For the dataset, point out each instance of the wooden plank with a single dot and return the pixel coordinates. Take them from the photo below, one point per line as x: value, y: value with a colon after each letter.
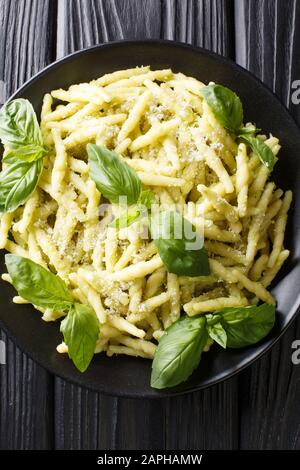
x: 267, y: 38
x: 205, y: 23
x: 25, y: 388
x: 87, y: 420
x: 204, y: 420
x: 83, y: 419
x: 85, y: 23
x: 26, y: 402
x: 269, y: 399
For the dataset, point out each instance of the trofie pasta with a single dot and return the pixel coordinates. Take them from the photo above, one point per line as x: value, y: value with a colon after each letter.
x: 176, y: 147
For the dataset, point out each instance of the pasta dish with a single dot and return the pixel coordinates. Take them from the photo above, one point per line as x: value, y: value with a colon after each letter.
x: 92, y: 200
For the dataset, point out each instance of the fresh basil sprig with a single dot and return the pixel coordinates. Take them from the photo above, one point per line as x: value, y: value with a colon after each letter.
x: 264, y: 152
x: 21, y: 136
x: 145, y: 200
x: 179, y: 349
x: 20, y: 131
x: 217, y: 333
x: 38, y: 285
x: 178, y: 352
x: 17, y: 182
x: 113, y: 177
x: 228, y: 110
x: 27, y: 153
x: 19, y: 125
x: 226, y: 106
x: 45, y: 289
x: 169, y: 229
x: 246, y: 325
x: 81, y: 331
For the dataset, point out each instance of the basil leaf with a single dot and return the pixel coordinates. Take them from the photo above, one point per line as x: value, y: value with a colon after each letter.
x: 264, y: 152
x: 113, y: 177
x: 169, y: 230
x: 212, y: 319
x: 81, y: 331
x: 247, y: 325
x: 27, y: 153
x: 126, y: 219
x: 178, y: 352
x: 17, y: 182
x: 20, y: 132
x: 19, y: 125
x: 146, y: 199
x: 9, y: 158
x: 144, y: 202
x: 38, y: 285
x: 218, y: 334
x: 225, y: 105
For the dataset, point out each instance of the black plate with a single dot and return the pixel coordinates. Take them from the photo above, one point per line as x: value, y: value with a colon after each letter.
x: 127, y: 376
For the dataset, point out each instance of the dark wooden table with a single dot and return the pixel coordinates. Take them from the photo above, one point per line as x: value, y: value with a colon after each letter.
x: 258, y: 409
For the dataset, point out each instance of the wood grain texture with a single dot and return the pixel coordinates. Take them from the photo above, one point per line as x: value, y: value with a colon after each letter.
x: 26, y: 35
x: 27, y: 39
x: 206, y: 23
x: 204, y: 420
x: 260, y: 408
x: 269, y: 399
x: 26, y: 402
x: 88, y: 420
x: 267, y: 41
x: 201, y: 420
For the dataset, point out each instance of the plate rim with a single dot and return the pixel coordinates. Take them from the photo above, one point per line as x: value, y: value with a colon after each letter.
x: 294, y: 311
